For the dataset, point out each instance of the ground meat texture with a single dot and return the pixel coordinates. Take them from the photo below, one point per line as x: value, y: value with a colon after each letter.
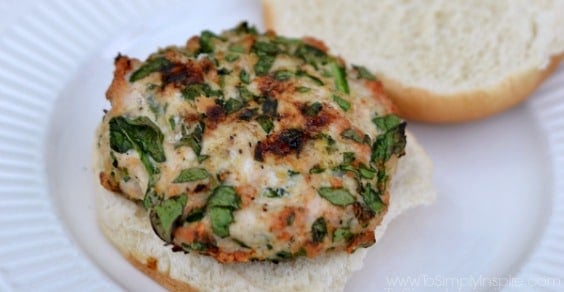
x: 246, y: 146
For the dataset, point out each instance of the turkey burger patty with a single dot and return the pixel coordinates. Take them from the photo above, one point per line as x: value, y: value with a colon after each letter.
x: 247, y: 146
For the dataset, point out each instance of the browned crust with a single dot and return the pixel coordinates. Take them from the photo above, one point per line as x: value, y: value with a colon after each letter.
x: 421, y: 105
x: 150, y: 269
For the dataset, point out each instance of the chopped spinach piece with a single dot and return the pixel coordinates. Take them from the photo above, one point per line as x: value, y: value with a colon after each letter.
x: 244, y: 93
x: 318, y: 230
x: 139, y: 134
x: 336, y: 196
x: 196, y: 245
x: 151, y: 66
x: 191, y: 174
x: 224, y: 196
x: 387, y: 122
x: 274, y: 192
x: 232, y: 105
x: 192, y: 91
x: 340, y: 76
x: 364, y: 73
x: 245, y: 77
x: 310, y: 54
x: 231, y: 58
x: 265, y: 122
x: 343, y: 103
x: 203, y: 157
x: 206, y: 41
x: 316, y: 169
x: 263, y: 65
x: 313, y: 109
x: 151, y: 198
x: 391, y: 142
x: 315, y: 80
x: 221, y: 204
x: 351, y: 134
x: 193, y: 140
x: 342, y: 234
x: 165, y: 215
x: 263, y: 48
x: 303, y: 89
x: 372, y: 199
x: 348, y: 158
x: 172, y: 122
x: 220, y: 219
x: 283, y: 75
x: 293, y: 173
x: 195, y: 215
x: 366, y: 172
x: 284, y: 255
x: 236, y: 48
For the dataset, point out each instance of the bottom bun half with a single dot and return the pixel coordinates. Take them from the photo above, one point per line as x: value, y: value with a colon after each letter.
x: 127, y: 226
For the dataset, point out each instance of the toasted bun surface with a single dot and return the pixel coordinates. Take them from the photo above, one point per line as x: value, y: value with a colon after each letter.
x: 127, y: 226
x: 440, y: 61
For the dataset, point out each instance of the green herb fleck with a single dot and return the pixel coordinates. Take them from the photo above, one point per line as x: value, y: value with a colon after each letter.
x: 318, y: 230
x: 195, y: 214
x: 274, y: 192
x: 315, y: 80
x: 348, y: 158
x: 265, y: 122
x: 164, y: 216
x: 232, y: 105
x: 202, y: 157
x: 151, y: 66
x: 224, y: 196
x: 244, y: 93
x: 313, y: 109
x: 372, y: 199
x: 293, y: 172
x: 364, y: 73
x: 139, y: 134
x: 221, y: 204
x: 366, y: 172
x: 192, y: 91
x: 391, y: 142
x: 336, y: 196
x: 231, y: 58
x: 245, y: 77
x: 343, y: 103
x: 262, y: 48
x: 263, y: 65
x: 283, y: 75
x: 193, y: 140
x: 303, y: 89
x: 387, y: 122
x: 316, y: 169
x: 206, y: 41
x: 220, y: 219
x: 340, y: 76
x: 351, y: 134
x: 342, y: 234
x: 191, y: 174
x: 236, y: 48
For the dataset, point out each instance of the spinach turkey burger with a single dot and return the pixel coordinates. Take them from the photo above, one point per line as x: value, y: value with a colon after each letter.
x: 246, y: 146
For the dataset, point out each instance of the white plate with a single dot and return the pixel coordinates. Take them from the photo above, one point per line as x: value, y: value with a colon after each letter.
x: 498, y: 221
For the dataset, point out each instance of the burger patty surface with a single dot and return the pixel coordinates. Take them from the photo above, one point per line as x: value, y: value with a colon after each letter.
x: 247, y: 146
